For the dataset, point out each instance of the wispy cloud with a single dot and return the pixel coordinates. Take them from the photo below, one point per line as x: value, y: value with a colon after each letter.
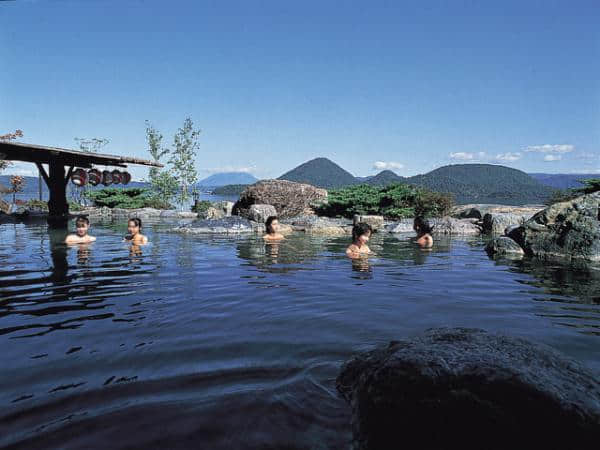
x: 224, y: 169
x: 555, y: 149
x: 508, y: 157
x: 550, y: 158
x: 462, y: 156
x: 387, y: 165
x: 20, y: 168
x: 588, y: 156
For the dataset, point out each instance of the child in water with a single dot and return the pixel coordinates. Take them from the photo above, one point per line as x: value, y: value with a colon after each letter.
x: 361, y: 232
x: 423, y: 230
x: 134, y: 227
x: 81, y: 236
x: 272, y: 228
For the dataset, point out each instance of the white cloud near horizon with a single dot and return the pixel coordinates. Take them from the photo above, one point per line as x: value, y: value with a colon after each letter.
x: 550, y: 158
x: 550, y: 148
x: 463, y: 156
x: 21, y: 168
x: 508, y: 157
x: 387, y: 165
x: 226, y: 169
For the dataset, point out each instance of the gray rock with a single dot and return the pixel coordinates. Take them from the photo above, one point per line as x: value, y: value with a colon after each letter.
x: 470, y: 213
x: 376, y: 222
x: 260, y: 213
x: 468, y: 389
x: 496, y: 223
x: 402, y: 226
x: 567, y: 230
x: 289, y: 199
x: 323, y: 226
x: 225, y: 206
x: 504, y: 246
x: 449, y: 225
x: 225, y: 225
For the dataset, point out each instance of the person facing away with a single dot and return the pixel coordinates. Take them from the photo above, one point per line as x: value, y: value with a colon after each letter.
x: 272, y: 228
x: 135, y: 236
x: 361, y: 232
x: 81, y: 236
x: 423, y: 230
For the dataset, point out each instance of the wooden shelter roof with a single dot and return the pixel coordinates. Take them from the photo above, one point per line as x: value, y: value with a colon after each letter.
x: 17, y: 151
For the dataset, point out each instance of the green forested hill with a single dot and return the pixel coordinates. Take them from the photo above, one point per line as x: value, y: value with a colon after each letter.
x: 320, y: 172
x: 484, y: 183
x: 384, y: 178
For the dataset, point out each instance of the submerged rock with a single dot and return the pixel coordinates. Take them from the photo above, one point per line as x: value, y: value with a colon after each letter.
x: 504, y: 246
x: 567, y: 230
x: 225, y: 225
x: 466, y: 388
x: 289, y: 199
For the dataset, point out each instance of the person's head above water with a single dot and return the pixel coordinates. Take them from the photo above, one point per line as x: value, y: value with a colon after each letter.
x: 361, y: 232
x: 134, y: 225
x: 82, y: 224
x: 272, y: 224
x: 422, y: 226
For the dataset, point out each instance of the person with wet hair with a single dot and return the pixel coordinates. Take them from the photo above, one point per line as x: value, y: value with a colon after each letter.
x: 135, y: 236
x: 272, y: 229
x: 361, y: 232
x: 81, y: 236
x: 423, y: 230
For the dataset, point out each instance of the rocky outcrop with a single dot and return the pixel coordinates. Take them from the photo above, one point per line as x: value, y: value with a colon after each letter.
x: 375, y: 222
x: 497, y: 223
x: 504, y: 246
x: 469, y: 389
x: 441, y: 225
x: 225, y: 206
x: 142, y: 213
x: 226, y: 225
x: 289, y: 199
x: 480, y: 210
x: 567, y: 230
x: 322, y: 226
x: 260, y: 213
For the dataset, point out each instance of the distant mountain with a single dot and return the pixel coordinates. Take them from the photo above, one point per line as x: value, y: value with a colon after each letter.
x: 561, y: 180
x: 320, y: 172
x: 222, y: 179
x: 484, y: 183
x: 384, y: 178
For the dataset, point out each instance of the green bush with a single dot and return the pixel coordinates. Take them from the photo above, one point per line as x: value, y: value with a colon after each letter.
x: 201, y: 206
x: 129, y: 198
x: 394, y: 201
x: 562, y: 195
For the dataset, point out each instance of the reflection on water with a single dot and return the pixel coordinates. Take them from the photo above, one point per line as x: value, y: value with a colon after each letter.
x: 235, y: 342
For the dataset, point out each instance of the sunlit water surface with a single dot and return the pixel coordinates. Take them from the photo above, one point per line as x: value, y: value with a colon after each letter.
x: 228, y: 342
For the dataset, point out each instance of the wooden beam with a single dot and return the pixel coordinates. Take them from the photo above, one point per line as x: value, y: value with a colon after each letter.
x: 69, y: 173
x: 44, y: 174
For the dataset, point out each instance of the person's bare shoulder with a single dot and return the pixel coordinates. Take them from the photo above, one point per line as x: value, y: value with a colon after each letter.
x: 91, y: 238
x: 71, y: 239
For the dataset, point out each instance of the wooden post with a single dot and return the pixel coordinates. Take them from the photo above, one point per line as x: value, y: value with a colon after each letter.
x: 57, y: 203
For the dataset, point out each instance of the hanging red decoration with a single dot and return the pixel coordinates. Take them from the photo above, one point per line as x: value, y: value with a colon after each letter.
x: 106, y: 178
x: 79, y: 177
x: 116, y: 176
x: 94, y: 177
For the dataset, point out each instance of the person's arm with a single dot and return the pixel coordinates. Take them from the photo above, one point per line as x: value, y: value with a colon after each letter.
x: 70, y: 239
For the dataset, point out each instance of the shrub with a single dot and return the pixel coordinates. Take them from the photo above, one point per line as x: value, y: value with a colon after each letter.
x: 394, y: 201
x: 129, y: 198
x: 201, y: 206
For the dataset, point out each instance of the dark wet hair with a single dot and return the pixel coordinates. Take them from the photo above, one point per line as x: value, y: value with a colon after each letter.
x: 422, y: 225
x: 82, y: 220
x: 268, y: 224
x: 136, y: 220
x: 359, y: 229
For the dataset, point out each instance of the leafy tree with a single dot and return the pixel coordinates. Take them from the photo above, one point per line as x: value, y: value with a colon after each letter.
x: 589, y: 186
x: 163, y: 183
x: 8, y: 137
x: 125, y: 198
x: 182, y: 159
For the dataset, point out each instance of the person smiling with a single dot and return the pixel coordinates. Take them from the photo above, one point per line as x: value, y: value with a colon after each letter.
x: 81, y: 236
x: 134, y: 227
x: 361, y: 232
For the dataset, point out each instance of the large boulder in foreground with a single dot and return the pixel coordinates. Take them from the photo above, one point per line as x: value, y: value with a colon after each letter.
x: 466, y: 388
x: 505, y: 247
x: 260, y: 213
x: 567, y: 230
x: 289, y: 199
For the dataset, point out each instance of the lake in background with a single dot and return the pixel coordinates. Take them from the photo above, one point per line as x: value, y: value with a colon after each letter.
x: 228, y: 342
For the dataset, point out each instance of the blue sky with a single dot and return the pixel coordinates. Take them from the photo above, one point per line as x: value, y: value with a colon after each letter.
x: 403, y: 85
